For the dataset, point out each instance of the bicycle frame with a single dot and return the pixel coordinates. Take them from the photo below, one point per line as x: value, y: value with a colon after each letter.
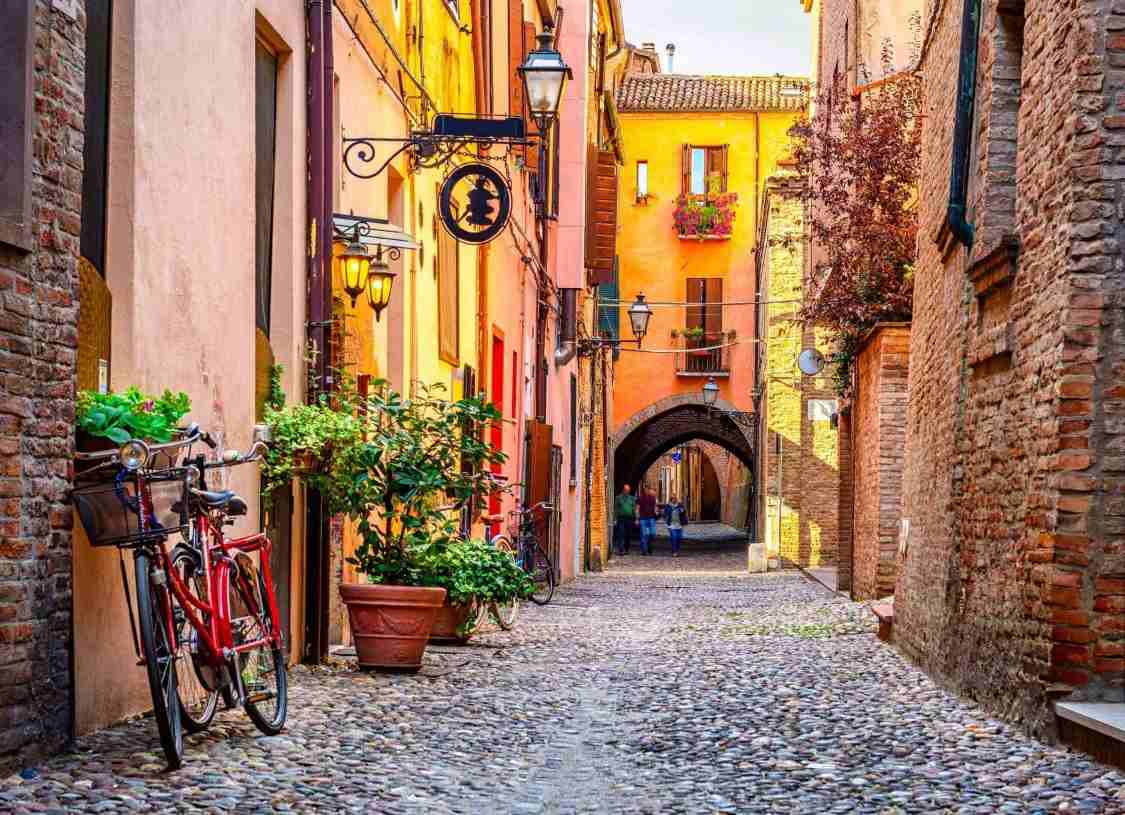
x: 215, y: 635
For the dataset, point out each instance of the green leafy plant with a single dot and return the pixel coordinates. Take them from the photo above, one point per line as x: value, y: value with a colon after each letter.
x: 131, y: 414
x: 474, y: 571
x: 275, y: 396
x: 693, y: 333
x: 303, y: 437
x: 395, y: 467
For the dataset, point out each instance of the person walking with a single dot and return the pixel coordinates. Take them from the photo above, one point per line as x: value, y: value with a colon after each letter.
x: 646, y: 511
x: 675, y: 515
x: 624, y: 516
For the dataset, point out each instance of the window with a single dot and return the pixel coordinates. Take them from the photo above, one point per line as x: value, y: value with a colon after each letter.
x: 16, y: 105
x: 609, y: 319
x: 705, y: 170
x: 97, y: 133
x: 265, y: 135
x: 449, y: 296
x: 515, y: 381
x: 642, y: 179
x: 708, y: 315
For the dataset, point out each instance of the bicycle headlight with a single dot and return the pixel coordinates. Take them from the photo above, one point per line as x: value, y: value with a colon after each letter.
x: 133, y: 454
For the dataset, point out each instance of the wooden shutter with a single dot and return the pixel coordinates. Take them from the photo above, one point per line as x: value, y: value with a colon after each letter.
x: 713, y: 314
x: 724, y: 167
x: 601, y: 215
x: 716, y: 166
x: 539, y: 443
x: 685, y: 181
x: 515, y: 57
x: 696, y: 293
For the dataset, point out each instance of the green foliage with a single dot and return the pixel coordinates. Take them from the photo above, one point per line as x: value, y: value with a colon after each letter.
x: 474, y: 571
x: 305, y: 434
x: 275, y: 396
x: 390, y: 464
x: 131, y: 414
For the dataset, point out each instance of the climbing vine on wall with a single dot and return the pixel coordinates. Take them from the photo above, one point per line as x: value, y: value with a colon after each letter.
x: 859, y: 159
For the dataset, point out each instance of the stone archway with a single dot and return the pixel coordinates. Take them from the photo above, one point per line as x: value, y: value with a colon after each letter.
x: 667, y: 423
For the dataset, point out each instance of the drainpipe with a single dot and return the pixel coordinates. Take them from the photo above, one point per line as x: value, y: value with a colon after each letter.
x: 329, y: 180
x: 963, y: 125
x: 316, y: 330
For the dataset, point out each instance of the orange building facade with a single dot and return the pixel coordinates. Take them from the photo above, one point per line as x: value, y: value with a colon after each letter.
x: 699, y: 151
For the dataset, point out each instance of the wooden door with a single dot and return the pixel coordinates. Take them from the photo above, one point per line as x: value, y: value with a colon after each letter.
x: 496, y: 432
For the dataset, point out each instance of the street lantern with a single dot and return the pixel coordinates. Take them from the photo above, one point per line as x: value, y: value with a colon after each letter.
x: 710, y: 392
x: 639, y: 314
x: 355, y: 266
x: 544, y: 76
x: 380, y: 280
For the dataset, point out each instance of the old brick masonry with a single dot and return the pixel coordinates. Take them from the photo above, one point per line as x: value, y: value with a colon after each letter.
x: 1013, y: 584
x: 38, y: 316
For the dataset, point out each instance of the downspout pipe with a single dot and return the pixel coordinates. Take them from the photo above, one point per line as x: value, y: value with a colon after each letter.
x: 963, y: 126
x: 314, y: 202
x: 329, y: 147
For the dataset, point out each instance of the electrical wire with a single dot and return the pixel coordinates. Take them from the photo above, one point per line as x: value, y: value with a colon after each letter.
x: 678, y: 304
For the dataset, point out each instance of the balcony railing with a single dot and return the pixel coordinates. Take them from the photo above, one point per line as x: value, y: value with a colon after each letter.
x: 696, y: 355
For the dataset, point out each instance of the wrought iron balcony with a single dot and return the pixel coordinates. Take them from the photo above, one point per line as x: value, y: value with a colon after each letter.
x: 698, y: 356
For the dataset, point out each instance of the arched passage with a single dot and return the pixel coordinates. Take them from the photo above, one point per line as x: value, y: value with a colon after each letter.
x: 666, y: 424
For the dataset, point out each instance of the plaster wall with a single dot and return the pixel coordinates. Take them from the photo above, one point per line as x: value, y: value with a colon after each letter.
x: 180, y: 263
x: 654, y: 260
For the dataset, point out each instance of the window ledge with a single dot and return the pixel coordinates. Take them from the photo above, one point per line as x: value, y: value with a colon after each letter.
x: 684, y: 237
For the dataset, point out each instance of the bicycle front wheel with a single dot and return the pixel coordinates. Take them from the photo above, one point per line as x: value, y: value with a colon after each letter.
x: 543, y: 575
x: 505, y: 616
x: 154, y: 611
x: 196, y: 679
x: 262, y: 668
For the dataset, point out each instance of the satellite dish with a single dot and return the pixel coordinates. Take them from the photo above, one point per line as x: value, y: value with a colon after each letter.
x: 811, y: 362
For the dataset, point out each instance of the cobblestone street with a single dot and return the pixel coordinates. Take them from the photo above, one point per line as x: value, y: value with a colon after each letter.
x: 662, y: 686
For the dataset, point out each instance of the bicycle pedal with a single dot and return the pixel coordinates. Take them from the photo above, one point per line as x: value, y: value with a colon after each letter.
x: 141, y: 662
x: 261, y: 697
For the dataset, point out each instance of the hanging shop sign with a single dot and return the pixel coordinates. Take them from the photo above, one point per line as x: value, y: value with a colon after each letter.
x: 475, y: 203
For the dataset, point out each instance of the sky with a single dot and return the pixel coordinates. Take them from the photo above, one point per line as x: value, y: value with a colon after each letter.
x: 728, y: 37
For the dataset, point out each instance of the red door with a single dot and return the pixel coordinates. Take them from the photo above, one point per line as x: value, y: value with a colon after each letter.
x: 497, y: 438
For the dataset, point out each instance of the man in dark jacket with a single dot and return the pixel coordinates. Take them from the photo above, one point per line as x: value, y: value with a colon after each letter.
x: 646, y: 511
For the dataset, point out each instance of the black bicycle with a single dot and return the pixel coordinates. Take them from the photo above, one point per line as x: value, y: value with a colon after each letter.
x: 529, y: 553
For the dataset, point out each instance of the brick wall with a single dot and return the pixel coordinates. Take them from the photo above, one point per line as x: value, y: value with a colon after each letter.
x: 877, y: 424
x: 807, y: 459
x: 38, y: 318
x: 1012, y: 584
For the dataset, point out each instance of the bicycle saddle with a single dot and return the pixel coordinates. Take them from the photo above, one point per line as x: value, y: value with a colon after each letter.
x: 222, y: 499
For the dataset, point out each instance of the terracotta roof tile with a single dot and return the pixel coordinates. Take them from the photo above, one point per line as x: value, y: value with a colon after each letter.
x: 671, y: 92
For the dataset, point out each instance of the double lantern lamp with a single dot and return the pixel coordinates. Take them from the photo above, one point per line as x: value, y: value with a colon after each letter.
x: 362, y: 274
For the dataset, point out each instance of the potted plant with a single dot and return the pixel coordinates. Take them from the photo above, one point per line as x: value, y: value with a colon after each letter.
x: 705, y: 218
x: 473, y: 574
x: 394, y: 466
x: 303, y: 437
x: 108, y: 420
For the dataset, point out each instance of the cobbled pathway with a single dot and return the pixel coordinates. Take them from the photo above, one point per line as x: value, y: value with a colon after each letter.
x: 664, y: 686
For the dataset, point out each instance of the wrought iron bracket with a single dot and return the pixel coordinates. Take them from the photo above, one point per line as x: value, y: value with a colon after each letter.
x: 448, y: 136
x: 741, y: 418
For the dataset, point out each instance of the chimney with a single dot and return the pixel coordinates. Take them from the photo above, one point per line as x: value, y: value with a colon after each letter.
x: 671, y: 49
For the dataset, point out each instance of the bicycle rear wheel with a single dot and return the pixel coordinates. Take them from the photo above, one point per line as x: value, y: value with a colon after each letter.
x: 195, y: 677
x: 543, y: 575
x: 505, y: 616
x: 154, y: 612
x: 264, y: 677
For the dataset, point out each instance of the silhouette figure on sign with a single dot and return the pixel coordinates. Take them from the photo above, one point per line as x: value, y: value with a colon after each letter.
x: 480, y: 204
x: 477, y: 210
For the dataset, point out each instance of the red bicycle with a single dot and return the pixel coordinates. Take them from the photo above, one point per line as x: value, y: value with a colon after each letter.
x: 206, y: 611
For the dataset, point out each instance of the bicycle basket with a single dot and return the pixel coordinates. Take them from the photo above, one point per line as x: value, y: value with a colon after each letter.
x: 109, y: 513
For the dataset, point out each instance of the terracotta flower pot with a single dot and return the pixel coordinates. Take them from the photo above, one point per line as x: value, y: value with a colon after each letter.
x: 449, y: 619
x: 391, y: 624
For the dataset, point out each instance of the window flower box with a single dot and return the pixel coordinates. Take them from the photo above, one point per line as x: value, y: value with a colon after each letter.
x: 705, y: 218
